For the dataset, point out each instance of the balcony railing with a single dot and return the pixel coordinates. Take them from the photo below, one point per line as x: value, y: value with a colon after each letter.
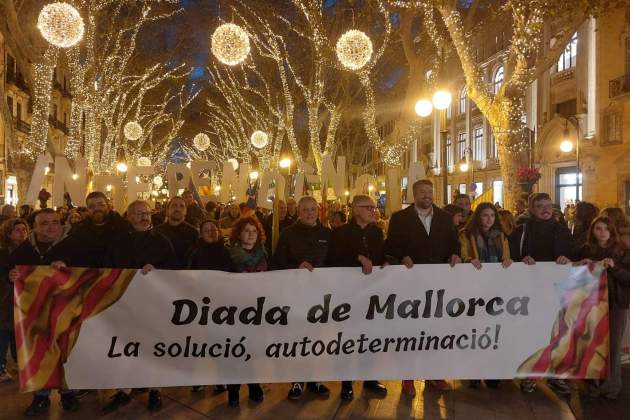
x: 24, y: 127
x: 58, y: 125
x: 619, y: 86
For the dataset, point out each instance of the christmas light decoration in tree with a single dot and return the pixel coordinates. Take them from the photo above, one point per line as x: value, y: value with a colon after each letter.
x: 144, y: 161
x: 259, y: 139
x: 133, y: 131
x: 158, y: 181
x: 61, y: 24
x: 234, y: 163
x: 201, y: 141
x: 354, y: 49
x: 230, y: 44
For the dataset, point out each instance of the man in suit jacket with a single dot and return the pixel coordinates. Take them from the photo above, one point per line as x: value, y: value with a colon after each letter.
x: 423, y: 234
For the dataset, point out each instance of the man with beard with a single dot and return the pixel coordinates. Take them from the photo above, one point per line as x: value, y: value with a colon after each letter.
x: 423, y: 234
x: 543, y: 238
x: 49, y: 244
x: 182, y: 234
x: 99, y: 229
x: 141, y: 247
x: 194, y: 214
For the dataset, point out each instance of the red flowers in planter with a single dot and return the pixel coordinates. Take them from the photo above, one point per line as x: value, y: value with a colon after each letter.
x: 528, y: 175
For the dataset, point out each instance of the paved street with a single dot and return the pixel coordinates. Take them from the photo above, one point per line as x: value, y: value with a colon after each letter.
x: 507, y: 402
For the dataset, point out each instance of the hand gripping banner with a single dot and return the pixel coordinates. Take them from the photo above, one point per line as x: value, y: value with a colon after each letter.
x: 103, y: 328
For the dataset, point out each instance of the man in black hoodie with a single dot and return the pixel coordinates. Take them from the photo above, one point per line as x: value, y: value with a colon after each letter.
x: 49, y: 244
x: 359, y: 243
x: 141, y: 247
x: 542, y: 238
x: 304, y: 245
x: 182, y: 234
x: 101, y: 227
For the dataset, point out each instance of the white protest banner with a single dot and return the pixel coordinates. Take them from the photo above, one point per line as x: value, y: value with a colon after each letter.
x: 177, y: 328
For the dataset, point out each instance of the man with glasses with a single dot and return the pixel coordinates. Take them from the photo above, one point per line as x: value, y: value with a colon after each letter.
x: 144, y: 248
x: 543, y: 238
x: 423, y: 234
x: 359, y: 243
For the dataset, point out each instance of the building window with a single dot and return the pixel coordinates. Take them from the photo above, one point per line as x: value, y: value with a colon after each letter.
x: 18, y: 111
x: 494, y: 150
x: 462, y: 100
x: 449, y: 152
x: 497, y: 192
x: 449, y: 194
x: 461, y: 146
x: 10, y: 104
x: 565, y: 186
x: 462, y: 188
x: 497, y: 80
x: 568, y: 58
x: 479, y: 189
x: 612, y: 127
x: 478, y: 144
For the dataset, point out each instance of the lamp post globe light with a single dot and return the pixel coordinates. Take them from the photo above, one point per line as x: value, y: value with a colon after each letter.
x: 423, y: 108
x: 442, y: 99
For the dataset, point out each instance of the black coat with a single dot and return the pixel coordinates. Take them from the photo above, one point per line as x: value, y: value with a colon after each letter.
x: 350, y: 241
x: 299, y: 243
x: 182, y: 237
x: 407, y: 236
x: 543, y: 240
x: 133, y: 249
x: 618, y: 276
x: 68, y: 249
x: 97, y: 239
x: 6, y: 293
x: 209, y: 256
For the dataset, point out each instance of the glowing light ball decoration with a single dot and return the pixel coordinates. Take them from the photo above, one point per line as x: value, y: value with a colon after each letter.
x: 61, y: 25
x: 354, y: 49
x: 144, y: 161
x: 133, y: 131
x: 234, y: 163
x: 259, y: 139
x: 158, y: 181
x: 230, y: 44
x: 201, y: 141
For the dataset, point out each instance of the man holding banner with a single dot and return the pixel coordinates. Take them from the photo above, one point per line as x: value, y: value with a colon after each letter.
x: 423, y: 234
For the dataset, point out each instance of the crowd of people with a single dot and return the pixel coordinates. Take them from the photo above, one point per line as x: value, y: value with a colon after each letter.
x: 236, y: 238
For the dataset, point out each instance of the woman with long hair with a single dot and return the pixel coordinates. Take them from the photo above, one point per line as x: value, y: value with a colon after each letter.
x: 621, y: 222
x: 248, y: 254
x: 603, y: 245
x: 12, y: 233
x: 483, y: 241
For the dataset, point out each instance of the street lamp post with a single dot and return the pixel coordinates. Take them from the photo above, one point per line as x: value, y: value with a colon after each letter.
x: 567, y: 145
x: 468, y: 162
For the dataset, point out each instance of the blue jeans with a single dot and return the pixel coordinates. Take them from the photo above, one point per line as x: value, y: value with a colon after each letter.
x: 7, y: 340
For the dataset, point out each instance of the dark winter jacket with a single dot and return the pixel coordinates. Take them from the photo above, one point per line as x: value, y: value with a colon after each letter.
x: 407, y: 236
x: 209, y: 256
x: 67, y: 248
x: 299, y: 243
x: 618, y: 276
x: 6, y: 294
x: 350, y: 241
x: 135, y: 249
x: 182, y: 237
x: 97, y: 239
x: 543, y: 240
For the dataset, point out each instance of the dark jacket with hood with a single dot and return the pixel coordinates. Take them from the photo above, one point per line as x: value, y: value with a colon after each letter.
x: 543, y: 240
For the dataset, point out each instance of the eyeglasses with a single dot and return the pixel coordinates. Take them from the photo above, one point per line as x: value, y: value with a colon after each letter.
x: 371, y: 208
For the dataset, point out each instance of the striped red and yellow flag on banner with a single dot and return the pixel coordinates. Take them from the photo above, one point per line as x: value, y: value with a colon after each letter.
x: 50, y: 306
x: 579, y: 338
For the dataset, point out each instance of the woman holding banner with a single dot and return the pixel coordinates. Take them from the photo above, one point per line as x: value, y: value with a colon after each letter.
x: 248, y: 255
x: 483, y: 241
x: 12, y: 233
x: 603, y: 245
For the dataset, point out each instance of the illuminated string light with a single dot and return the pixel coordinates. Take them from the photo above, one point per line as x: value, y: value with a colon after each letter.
x: 144, y: 161
x: 61, y: 24
x: 230, y: 44
x: 133, y: 130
